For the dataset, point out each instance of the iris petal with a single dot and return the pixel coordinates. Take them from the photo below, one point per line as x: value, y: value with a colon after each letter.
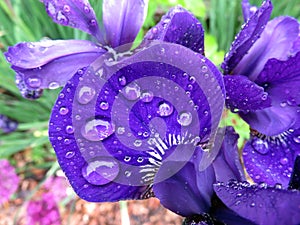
x: 271, y: 160
x: 49, y: 64
x: 122, y: 119
x: 249, y: 34
x: 260, y: 203
x: 123, y: 20
x: 180, y: 27
x: 74, y: 13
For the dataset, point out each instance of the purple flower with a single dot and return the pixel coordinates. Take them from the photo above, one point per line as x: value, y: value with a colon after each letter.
x: 9, y: 180
x: 57, y: 186
x: 44, y: 211
x: 51, y: 63
x: 7, y: 125
x: 264, y: 61
x: 116, y: 122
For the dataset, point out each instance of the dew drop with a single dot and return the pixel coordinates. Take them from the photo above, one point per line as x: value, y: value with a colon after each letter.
x: 132, y: 91
x: 284, y: 161
x: 164, y: 109
x: 260, y: 146
x: 86, y: 9
x: 63, y: 111
x: 252, y: 204
x: 127, y: 173
x: 147, y: 96
x: 93, y: 22
x: 127, y: 158
x: 204, y: 69
x: 53, y: 85
x: 67, y: 141
x: 61, y: 18
x: 66, y: 8
x: 85, y: 94
x: 121, y: 130
x: 104, y: 105
x: 34, y: 82
x: 297, y: 139
x: 137, y: 143
x: 97, y: 130
x: 69, y: 129
x: 140, y: 159
x: 101, y: 171
x: 69, y: 154
x: 264, y: 96
x: 185, y: 118
x: 283, y: 104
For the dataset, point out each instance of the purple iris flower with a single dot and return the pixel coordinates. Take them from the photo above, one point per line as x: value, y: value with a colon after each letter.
x: 7, y: 125
x: 51, y: 63
x: 262, y: 82
x: 122, y: 114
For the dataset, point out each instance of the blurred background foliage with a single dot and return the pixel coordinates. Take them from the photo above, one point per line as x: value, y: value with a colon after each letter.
x: 22, y: 20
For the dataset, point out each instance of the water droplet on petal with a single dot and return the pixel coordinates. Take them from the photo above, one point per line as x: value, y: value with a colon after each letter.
x: 147, y: 96
x: 260, y: 146
x: 34, y: 82
x: 104, y: 105
x: 164, y: 109
x: 127, y: 158
x: 122, y: 80
x: 69, y: 129
x: 101, y: 171
x: 121, y: 130
x: 284, y: 161
x: 85, y: 94
x: 66, y: 8
x: 63, y: 111
x: 53, y: 85
x: 137, y: 143
x: 204, y: 69
x: 185, y: 118
x: 86, y: 9
x: 132, y: 91
x: 97, y: 130
x: 283, y: 104
x: 69, y: 154
x: 264, y: 96
x: 297, y: 139
x: 62, y: 19
x: 252, y: 204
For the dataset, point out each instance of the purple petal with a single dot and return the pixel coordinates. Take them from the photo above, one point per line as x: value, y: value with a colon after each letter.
x: 261, y: 204
x: 248, y: 9
x: 227, y: 164
x: 280, y: 32
x: 181, y: 27
x: 248, y: 35
x: 282, y: 79
x: 295, y: 178
x: 244, y: 95
x: 9, y: 180
x: 271, y: 160
x: 191, y: 189
x: 123, y: 20
x: 49, y: 64
x: 74, y: 13
x: 7, y: 125
x: 122, y: 119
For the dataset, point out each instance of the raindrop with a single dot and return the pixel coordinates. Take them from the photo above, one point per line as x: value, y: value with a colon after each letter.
x: 283, y: 104
x: 264, y: 96
x: 69, y: 154
x: 147, y: 96
x: 252, y: 204
x: 62, y: 18
x: 63, y: 111
x: 204, y: 69
x: 104, y: 105
x: 127, y: 173
x: 101, y: 171
x: 86, y: 9
x: 85, y: 94
x: 284, y: 161
x: 34, y: 82
x: 132, y: 91
x: 97, y: 130
x: 69, y: 129
x: 53, y: 85
x: 67, y: 141
x: 127, y: 158
x: 137, y: 143
x: 192, y: 79
x: 185, y: 118
x: 66, y: 8
x: 140, y: 159
x: 297, y: 139
x: 154, y: 30
x: 121, y: 130
x: 260, y: 146
x: 164, y: 109
x: 93, y: 22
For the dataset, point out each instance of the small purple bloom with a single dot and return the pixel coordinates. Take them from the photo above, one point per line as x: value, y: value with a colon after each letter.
x: 44, y: 211
x: 51, y: 63
x: 7, y: 125
x: 57, y: 186
x: 9, y: 180
x: 118, y: 121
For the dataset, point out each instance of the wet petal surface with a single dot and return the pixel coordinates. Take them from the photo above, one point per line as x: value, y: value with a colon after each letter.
x: 295, y: 178
x: 260, y: 203
x: 271, y: 159
x: 123, y: 20
x: 122, y: 120
x: 249, y: 34
x: 74, y: 13
x: 244, y: 95
x: 181, y: 27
